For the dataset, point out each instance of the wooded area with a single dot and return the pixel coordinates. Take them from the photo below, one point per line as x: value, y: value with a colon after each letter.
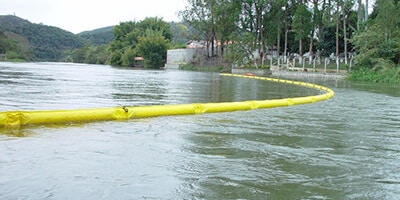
x: 148, y: 38
x: 23, y: 40
x: 234, y: 29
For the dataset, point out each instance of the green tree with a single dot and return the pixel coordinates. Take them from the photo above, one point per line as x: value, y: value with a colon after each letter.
x: 302, y: 25
x: 388, y: 18
x: 79, y: 55
x: 15, y: 47
x: 226, y: 15
x: 153, y: 48
x: 276, y: 18
x: 378, y: 45
x: 235, y: 54
x: 128, y: 35
x: 155, y: 24
x: 258, y: 25
x: 180, y: 34
x: 4, y: 43
x: 253, y: 28
x: 200, y: 14
x: 97, y: 55
x: 128, y: 58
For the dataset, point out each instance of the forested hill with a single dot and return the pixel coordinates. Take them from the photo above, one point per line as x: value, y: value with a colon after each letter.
x: 99, y: 36
x: 36, y: 42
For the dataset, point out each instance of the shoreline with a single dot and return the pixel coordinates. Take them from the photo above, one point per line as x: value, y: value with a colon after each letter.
x: 292, y: 74
x: 301, y: 74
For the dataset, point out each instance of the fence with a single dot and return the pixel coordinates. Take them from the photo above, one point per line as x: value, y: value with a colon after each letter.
x: 315, y: 64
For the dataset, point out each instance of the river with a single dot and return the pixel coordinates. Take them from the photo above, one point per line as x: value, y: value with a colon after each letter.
x: 347, y: 147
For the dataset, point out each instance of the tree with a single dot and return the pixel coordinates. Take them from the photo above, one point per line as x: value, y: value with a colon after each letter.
x: 388, y: 18
x: 379, y: 45
x: 125, y: 39
x: 155, y: 24
x: 200, y: 14
x: 254, y: 26
x: 227, y: 13
x: 79, y: 55
x: 128, y: 58
x: 153, y: 47
x: 276, y: 18
x: 128, y: 35
x: 252, y: 29
x: 346, y: 10
x: 5, y: 43
x: 180, y: 34
x: 302, y: 25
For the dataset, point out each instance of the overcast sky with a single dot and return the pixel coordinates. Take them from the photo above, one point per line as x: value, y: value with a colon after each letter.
x: 82, y: 15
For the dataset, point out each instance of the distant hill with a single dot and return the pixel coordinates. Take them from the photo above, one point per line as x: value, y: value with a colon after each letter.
x: 99, y: 36
x: 48, y: 43
x: 23, y: 40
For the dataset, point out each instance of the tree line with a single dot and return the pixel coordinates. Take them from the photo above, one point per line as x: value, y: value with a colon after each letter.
x: 119, y: 45
x: 237, y: 28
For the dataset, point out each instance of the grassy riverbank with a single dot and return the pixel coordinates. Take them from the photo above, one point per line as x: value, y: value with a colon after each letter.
x: 217, y: 68
x: 391, y: 75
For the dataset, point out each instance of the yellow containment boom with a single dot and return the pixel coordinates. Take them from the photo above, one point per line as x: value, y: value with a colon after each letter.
x: 15, y: 119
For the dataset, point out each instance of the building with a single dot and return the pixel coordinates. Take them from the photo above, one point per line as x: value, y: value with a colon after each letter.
x: 3, y: 57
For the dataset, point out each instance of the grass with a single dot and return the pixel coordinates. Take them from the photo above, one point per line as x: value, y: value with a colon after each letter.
x: 382, y: 76
x: 191, y: 67
x: 15, y: 60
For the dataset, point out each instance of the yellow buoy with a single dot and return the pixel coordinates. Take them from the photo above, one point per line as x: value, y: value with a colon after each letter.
x: 15, y: 119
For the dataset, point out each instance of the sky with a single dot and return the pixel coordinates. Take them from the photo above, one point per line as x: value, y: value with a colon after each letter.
x: 83, y: 15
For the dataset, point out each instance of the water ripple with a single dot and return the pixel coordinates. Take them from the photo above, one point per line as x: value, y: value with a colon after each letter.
x: 345, y: 148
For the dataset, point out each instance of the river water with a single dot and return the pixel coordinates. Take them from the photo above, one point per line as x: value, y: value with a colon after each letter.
x: 345, y: 148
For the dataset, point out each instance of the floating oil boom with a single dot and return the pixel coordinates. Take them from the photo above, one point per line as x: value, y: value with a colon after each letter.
x: 16, y: 119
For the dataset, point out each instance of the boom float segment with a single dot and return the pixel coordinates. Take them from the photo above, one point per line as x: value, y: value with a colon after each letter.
x: 15, y: 119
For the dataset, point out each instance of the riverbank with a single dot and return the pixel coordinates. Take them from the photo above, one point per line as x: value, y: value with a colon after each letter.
x: 273, y: 73
x: 305, y: 74
x: 291, y: 74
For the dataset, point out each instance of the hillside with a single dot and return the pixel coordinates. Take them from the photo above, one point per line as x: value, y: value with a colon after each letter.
x: 25, y: 41
x: 37, y: 42
x: 99, y: 36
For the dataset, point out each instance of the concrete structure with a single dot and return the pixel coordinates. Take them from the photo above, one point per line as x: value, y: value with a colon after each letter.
x: 175, y: 57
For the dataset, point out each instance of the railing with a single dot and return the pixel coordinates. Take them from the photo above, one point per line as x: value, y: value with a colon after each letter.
x: 336, y: 64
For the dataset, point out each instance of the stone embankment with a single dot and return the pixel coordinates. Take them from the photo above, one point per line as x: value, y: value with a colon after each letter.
x: 303, y: 74
x: 291, y: 74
